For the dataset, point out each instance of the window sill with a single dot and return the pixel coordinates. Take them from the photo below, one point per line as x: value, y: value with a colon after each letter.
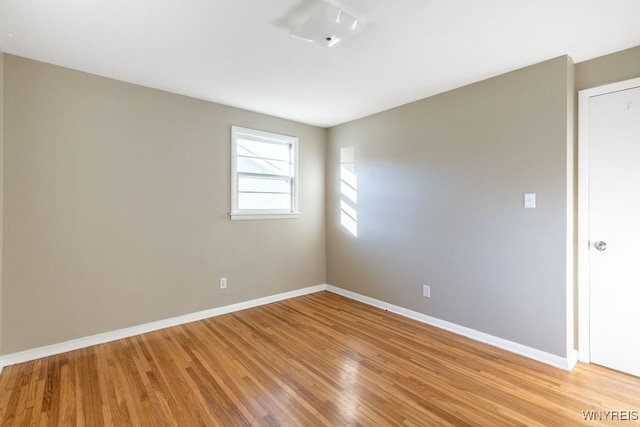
x: 249, y: 216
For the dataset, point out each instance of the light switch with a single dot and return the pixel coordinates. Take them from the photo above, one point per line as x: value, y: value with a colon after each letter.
x: 530, y: 200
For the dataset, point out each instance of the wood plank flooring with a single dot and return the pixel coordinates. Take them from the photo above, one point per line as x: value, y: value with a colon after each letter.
x: 319, y: 359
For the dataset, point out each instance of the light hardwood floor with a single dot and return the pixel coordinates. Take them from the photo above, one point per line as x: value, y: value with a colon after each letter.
x: 319, y: 359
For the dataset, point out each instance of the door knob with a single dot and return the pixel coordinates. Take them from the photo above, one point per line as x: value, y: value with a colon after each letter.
x: 600, y: 245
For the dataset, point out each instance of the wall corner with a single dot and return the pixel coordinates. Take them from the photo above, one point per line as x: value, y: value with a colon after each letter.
x: 572, y: 191
x: 1, y: 187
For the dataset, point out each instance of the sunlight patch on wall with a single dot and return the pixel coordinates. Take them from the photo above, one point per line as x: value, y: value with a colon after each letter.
x: 348, y: 191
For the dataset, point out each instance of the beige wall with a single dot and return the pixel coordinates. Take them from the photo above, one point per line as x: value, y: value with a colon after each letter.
x: 116, y: 202
x: 440, y: 202
x: 117, y: 199
x: 618, y: 66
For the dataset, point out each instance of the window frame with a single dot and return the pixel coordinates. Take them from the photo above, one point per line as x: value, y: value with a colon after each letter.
x: 267, y: 137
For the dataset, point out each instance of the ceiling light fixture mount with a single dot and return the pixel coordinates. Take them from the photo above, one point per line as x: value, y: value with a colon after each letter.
x: 328, y: 26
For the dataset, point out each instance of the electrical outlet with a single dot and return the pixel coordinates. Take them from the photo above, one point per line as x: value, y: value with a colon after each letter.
x: 426, y: 291
x: 223, y: 283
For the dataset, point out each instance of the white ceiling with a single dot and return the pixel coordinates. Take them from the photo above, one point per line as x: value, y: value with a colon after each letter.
x: 239, y: 52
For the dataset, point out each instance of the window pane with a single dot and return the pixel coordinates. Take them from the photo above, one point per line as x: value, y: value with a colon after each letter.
x: 260, y: 185
x: 264, y: 201
x: 263, y: 149
x: 263, y: 170
x: 257, y: 165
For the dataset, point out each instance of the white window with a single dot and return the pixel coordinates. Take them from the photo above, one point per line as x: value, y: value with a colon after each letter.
x: 263, y: 174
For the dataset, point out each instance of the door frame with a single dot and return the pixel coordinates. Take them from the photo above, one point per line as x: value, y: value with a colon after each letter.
x: 584, y: 302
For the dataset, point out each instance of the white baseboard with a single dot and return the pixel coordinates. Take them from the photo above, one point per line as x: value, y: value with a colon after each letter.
x: 566, y: 364
x: 50, y: 350
x: 573, y: 357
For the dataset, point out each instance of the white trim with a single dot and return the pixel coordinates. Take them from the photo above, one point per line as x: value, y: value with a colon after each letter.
x: 550, y: 359
x: 237, y: 216
x: 50, y: 350
x: 583, y: 209
x: 1, y: 187
x: 262, y: 136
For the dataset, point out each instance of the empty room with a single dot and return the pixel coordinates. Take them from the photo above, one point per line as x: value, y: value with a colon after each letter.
x: 308, y: 212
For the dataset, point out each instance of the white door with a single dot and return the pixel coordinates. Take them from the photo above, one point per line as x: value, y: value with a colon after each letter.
x: 614, y: 229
